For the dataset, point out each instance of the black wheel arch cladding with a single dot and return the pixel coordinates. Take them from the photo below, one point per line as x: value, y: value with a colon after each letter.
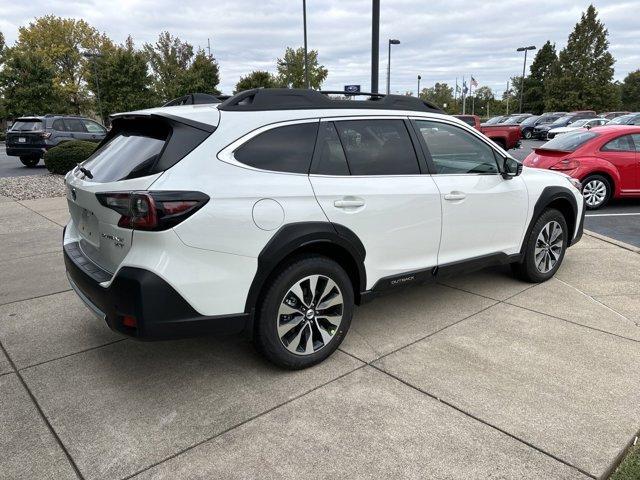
x: 334, y: 240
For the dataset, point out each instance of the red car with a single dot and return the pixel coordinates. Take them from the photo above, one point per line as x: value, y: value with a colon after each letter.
x: 605, y: 159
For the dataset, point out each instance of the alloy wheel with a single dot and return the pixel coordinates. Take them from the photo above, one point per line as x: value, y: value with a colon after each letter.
x: 548, y: 247
x: 310, y: 314
x: 594, y: 192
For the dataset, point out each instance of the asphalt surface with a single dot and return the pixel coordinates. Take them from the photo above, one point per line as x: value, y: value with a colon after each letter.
x: 619, y: 220
x: 11, y: 166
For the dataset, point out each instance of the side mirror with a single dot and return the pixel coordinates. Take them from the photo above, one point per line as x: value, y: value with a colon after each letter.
x: 511, y: 168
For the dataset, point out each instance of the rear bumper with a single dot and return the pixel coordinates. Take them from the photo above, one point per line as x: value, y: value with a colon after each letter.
x: 26, y: 151
x: 160, y: 311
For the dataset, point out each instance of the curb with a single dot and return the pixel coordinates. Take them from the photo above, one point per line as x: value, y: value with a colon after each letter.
x: 613, y: 241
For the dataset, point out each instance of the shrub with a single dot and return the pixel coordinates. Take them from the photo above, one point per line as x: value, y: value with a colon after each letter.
x: 67, y: 155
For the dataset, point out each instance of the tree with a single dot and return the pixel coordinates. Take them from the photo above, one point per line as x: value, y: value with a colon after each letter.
x: 202, y: 75
x: 630, y: 92
x: 175, y: 70
x: 541, y: 70
x: 291, y: 69
x: 28, y: 84
x: 441, y: 94
x: 582, y: 77
x: 121, y: 76
x: 60, y: 42
x: 257, y: 79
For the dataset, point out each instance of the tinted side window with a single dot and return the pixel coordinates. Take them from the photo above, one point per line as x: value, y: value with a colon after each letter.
x: 620, y: 144
x: 93, y: 127
x: 636, y: 140
x: 378, y: 147
x: 58, y: 125
x: 329, y: 155
x: 455, y: 151
x: 281, y: 149
x: 74, y: 125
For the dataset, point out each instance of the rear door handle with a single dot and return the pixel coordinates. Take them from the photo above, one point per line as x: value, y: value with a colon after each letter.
x: 453, y: 196
x: 348, y: 203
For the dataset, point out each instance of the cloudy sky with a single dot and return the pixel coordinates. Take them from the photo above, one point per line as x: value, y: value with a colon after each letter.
x: 441, y: 40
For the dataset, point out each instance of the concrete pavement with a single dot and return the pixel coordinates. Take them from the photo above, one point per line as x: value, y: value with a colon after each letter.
x: 481, y: 376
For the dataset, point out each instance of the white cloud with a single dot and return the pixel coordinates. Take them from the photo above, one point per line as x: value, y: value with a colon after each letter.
x: 441, y: 40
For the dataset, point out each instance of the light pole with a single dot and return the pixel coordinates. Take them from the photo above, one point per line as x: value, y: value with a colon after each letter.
x: 92, y: 57
x: 306, y: 62
x: 375, y: 44
x: 392, y: 41
x: 419, y: 78
x: 524, y: 66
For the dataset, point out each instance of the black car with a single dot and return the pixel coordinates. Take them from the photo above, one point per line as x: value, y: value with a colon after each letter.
x: 30, y: 137
x: 528, y: 125
x: 540, y: 131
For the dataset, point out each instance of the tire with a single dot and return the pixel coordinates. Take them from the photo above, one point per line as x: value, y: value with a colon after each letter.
x: 596, y: 190
x: 528, y: 134
x: 541, y: 267
x: 294, y: 348
x: 30, y: 161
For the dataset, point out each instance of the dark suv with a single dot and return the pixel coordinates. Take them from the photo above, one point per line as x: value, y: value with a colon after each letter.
x: 540, y: 131
x: 30, y: 137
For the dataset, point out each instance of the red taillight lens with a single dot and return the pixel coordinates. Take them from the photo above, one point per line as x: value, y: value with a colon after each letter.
x: 152, y: 210
x: 566, y: 164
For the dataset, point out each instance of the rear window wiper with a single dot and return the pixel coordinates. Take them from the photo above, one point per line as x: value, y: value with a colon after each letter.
x: 86, y: 171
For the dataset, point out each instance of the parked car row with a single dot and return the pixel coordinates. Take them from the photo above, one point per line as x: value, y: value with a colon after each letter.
x: 30, y: 137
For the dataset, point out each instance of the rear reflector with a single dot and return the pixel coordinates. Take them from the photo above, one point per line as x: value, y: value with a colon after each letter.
x: 130, y: 321
x: 152, y: 211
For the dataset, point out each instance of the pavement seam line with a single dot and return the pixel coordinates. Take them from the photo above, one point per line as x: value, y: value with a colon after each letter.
x: 28, y: 256
x: 42, y: 415
x: 240, y: 424
x: 34, y: 298
x: 19, y: 202
x: 470, y: 415
x: 599, y: 302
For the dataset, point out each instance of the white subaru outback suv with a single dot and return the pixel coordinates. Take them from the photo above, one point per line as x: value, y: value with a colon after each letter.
x: 278, y: 210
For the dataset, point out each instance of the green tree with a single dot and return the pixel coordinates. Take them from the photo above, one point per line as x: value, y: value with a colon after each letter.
x: 291, y: 69
x: 61, y: 42
x: 121, y: 78
x: 582, y: 78
x: 630, y: 92
x: 540, y: 72
x: 28, y: 85
x: 202, y: 76
x: 257, y: 79
x: 441, y: 94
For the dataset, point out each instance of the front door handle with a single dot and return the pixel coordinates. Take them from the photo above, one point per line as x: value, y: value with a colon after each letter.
x: 352, y: 203
x: 455, y: 196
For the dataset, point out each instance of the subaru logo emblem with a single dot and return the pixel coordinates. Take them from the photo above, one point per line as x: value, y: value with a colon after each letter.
x: 73, y: 193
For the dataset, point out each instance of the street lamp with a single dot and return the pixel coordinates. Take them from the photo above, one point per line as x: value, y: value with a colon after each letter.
x: 419, y: 78
x: 92, y: 57
x: 524, y: 66
x: 392, y: 41
x: 306, y: 62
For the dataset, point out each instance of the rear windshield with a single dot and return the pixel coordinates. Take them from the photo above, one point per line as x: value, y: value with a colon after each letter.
x: 27, y: 126
x: 569, y: 142
x: 133, y: 148
x: 622, y: 120
x: 562, y: 120
x: 529, y: 121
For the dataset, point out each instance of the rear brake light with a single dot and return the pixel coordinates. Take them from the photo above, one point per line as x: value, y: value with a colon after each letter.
x: 152, y: 210
x: 566, y: 164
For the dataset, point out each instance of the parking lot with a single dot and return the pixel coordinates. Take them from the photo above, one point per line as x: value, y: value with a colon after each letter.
x: 481, y: 376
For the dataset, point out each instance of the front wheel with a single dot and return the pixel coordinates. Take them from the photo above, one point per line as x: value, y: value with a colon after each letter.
x: 305, y: 313
x: 29, y: 161
x: 528, y: 134
x: 545, y: 248
x: 596, y: 191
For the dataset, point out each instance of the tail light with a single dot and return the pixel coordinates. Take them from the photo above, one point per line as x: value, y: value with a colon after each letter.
x: 566, y: 164
x: 152, y: 211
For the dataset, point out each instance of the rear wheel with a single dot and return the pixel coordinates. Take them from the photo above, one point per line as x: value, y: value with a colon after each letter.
x: 528, y: 134
x: 545, y: 248
x: 596, y: 191
x: 30, y: 161
x: 305, y: 313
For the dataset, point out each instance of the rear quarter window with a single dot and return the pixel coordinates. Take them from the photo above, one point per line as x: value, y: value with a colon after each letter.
x: 282, y: 149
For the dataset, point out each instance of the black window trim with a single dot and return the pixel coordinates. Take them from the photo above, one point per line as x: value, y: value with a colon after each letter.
x: 422, y: 164
x: 497, y: 154
x: 228, y: 153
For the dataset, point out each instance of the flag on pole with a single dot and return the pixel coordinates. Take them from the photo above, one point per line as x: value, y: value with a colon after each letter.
x: 465, y: 89
x: 474, y: 82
